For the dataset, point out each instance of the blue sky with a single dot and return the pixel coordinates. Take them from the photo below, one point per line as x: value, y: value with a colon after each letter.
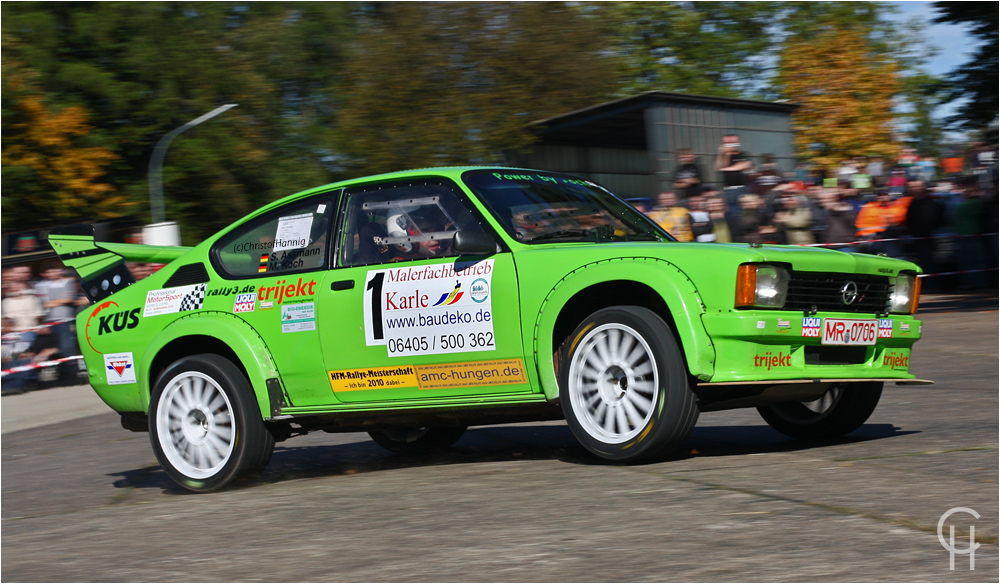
x: 955, y: 46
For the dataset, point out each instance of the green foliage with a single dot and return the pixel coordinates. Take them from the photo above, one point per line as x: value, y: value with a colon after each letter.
x: 456, y: 83
x: 139, y: 70
x: 976, y: 80
x: 327, y: 89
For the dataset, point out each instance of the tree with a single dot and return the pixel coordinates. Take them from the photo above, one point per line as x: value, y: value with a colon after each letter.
x: 845, y: 91
x: 976, y: 80
x: 49, y: 171
x: 142, y: 69
x: 726, y: 49
x: 456, y: 83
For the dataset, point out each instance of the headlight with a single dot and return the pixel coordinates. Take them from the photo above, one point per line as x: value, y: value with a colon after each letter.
x: 904, y: 294
x: 761, y: 285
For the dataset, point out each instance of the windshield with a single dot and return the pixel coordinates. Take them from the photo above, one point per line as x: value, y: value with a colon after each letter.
x: 536, y: 207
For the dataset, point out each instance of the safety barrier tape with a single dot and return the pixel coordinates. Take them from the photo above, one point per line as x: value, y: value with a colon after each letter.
x: 861, y: 241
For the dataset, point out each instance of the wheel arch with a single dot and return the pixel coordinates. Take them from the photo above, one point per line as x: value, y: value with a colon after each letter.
x: 218, y: 333
x: 649, y: 282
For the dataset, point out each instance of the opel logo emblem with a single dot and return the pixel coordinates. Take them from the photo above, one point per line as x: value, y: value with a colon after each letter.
x: 849, y: 292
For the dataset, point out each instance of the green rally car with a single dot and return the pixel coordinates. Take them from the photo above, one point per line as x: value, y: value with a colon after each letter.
x: 415, y: 304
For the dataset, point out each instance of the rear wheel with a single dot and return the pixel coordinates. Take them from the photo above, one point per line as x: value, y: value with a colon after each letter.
x: 405, y: 440
x: 624, y: 385
x: 204, y: 424
x: 841, y: 410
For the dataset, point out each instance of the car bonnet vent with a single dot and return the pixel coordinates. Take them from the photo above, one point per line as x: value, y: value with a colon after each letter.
x: 186, y: 275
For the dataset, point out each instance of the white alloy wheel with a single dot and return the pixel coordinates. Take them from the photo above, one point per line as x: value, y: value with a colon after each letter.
x: 613, y: 383
x: 194, y: 423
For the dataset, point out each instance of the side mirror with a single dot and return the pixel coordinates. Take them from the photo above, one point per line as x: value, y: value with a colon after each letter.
x: 473, y: 243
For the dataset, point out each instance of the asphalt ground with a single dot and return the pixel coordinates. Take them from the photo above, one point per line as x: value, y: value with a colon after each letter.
x: 84, y: 500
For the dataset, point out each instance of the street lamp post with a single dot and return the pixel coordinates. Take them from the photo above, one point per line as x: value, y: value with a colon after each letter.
x: 156, y: 162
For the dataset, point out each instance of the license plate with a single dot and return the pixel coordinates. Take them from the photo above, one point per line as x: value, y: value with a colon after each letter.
x: 849, y: 331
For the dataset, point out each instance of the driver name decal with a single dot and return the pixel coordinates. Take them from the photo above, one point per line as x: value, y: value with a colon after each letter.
x: 430, y: 310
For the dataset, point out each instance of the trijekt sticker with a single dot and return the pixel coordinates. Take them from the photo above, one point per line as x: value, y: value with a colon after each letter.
x: 430, y: 310
x: 299, y: 317
x: 120, y: 368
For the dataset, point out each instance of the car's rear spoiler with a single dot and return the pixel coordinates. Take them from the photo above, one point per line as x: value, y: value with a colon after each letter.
x: 101, y: 265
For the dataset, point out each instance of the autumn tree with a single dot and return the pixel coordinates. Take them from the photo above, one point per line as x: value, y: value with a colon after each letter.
x: 845, y: 92
x: 50, y: 173
x: 142, y: 69
x: 456, y: 83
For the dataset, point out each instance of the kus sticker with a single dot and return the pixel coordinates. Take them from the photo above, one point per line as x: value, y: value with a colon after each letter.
x: 784, y: 326
x: 120, y: 368
x: 107, y: 318
x: 811, y: 326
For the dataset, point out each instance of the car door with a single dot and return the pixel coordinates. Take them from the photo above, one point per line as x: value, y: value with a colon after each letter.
x: 271, y: 268
x: 401, y: 316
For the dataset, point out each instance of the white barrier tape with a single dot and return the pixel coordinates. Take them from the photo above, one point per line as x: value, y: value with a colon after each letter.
x: 22, y: 368
x: 954, y: 273
x: 862, y: 241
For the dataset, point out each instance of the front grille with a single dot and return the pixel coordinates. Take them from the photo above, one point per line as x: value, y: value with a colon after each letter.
x: 824, y: 292
x: 819, y: 355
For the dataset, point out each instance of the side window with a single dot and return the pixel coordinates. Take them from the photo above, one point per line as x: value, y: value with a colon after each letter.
x: 393, y: 223
x: 291, y: 239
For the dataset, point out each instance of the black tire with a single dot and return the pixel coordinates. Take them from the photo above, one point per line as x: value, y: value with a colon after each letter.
x: 839, y: 411
x: 404, y: 440
x: 205, y: 425
x: 632, y: 405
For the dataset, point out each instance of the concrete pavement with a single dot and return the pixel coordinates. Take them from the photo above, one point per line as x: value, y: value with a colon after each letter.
x: 49, y: 406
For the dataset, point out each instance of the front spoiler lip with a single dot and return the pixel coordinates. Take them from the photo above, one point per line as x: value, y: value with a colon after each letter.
x: 816, y: 380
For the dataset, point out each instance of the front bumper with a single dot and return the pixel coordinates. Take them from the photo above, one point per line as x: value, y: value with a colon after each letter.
x: 766, y: 345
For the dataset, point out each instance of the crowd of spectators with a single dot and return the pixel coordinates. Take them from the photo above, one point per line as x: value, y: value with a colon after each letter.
x: 942, y: 216
x: 38, y: 309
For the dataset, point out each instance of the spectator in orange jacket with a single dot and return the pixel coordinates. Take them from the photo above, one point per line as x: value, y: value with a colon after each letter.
x: 882, y: 219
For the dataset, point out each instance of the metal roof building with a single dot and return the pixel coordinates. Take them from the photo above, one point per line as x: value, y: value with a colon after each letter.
x: 630, y: 145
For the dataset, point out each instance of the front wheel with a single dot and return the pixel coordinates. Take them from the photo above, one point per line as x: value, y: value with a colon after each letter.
x: 406, y: 440
x: 204, y: 424
x: 623, y: 385
x: 841, y: 410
